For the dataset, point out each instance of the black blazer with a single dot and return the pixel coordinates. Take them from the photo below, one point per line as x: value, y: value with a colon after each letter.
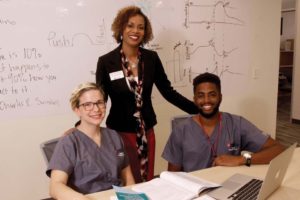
x: 120, y: 117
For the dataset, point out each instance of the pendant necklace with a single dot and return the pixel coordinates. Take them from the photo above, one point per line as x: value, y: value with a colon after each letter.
x: 132, y: 65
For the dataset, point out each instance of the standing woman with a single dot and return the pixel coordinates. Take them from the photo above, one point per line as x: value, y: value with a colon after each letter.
x: 127, y: 75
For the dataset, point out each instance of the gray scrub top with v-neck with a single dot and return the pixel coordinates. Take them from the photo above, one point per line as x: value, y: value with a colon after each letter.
x: 189, y: 147
x: 90, y: 168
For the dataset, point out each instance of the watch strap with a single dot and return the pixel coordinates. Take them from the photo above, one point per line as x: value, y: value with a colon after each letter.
x: 248, y: 162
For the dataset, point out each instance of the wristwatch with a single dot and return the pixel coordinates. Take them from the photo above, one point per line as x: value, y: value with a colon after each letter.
x: 247, y: 156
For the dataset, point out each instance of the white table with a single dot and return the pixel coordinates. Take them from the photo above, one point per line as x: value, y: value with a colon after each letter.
x: 289, y: 190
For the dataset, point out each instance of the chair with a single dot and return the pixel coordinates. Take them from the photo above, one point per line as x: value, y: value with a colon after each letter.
x: 178, y: 119
x: 48, y: 149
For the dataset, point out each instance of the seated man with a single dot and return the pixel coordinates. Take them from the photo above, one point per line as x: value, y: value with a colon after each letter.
x: 214, y: 138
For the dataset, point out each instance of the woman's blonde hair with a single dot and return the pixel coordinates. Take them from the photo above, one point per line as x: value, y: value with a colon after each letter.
x: 80, y: 89
x: 122, y: 19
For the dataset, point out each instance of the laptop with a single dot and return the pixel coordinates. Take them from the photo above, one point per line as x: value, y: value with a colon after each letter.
x: 240, y: 186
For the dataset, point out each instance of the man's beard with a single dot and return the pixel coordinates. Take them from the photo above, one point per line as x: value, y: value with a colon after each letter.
x: 209, y: 115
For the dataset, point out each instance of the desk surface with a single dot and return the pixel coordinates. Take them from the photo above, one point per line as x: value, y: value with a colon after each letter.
x: 289, y: 190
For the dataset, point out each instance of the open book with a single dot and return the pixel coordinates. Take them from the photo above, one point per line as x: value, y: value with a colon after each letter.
x: 174, y: 186
x: 127, y: 194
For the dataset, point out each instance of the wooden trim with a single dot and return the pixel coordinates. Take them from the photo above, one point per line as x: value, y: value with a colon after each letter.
x: 295, y: 121
x: 288, y: 10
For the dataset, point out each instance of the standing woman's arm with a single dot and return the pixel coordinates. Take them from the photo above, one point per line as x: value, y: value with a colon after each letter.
x: 102, y: 76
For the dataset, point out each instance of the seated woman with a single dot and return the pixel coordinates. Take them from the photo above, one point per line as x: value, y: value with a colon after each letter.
x: 91, y: 158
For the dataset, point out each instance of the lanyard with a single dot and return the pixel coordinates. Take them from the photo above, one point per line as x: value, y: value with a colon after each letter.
x: 213, y: 146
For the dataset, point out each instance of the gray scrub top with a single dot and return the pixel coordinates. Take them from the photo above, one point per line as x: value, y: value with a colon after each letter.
x: 90, y: 168
x: 189, y: 147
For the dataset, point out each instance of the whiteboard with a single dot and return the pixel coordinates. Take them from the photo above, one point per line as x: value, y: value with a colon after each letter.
x: 47, y: 47
x: 61, y: 40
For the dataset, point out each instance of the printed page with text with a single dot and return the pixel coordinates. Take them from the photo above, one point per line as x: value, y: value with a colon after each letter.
x: 174, y: 186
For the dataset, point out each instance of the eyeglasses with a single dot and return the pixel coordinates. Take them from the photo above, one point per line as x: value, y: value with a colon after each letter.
x: 88, y: 106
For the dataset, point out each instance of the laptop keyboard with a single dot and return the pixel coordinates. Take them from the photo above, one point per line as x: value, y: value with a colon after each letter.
x: 248, y: 192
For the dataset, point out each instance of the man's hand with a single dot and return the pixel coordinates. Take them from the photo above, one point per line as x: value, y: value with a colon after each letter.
x: 228, y: 160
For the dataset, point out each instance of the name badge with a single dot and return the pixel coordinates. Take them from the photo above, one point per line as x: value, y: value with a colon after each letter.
x: 232, y: 147
x: 116, y: 75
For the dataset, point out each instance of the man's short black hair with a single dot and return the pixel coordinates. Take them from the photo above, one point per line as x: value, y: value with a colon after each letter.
x: 207, y: 77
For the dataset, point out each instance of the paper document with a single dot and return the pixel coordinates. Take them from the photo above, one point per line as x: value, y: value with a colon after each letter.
x: 204, y: 197
x: 174, y: 186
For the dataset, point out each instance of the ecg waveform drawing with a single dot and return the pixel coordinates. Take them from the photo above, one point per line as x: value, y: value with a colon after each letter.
x: 215, y: 50
x: 218, y: 57
x: 219, y: 14
x: 211, y: 44
x: 175, y: 68
x: 178, y: 73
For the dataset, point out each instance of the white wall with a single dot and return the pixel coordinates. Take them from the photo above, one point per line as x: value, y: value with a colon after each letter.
x: 22, y: 166
x: 288, y: 4
x: 296, y: 69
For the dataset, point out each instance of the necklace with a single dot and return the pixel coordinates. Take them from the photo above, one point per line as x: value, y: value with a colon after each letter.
x: 132, y: 64
x: 213, y: 146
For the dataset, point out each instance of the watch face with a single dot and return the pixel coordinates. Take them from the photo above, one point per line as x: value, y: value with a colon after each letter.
x: 247, y: 155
